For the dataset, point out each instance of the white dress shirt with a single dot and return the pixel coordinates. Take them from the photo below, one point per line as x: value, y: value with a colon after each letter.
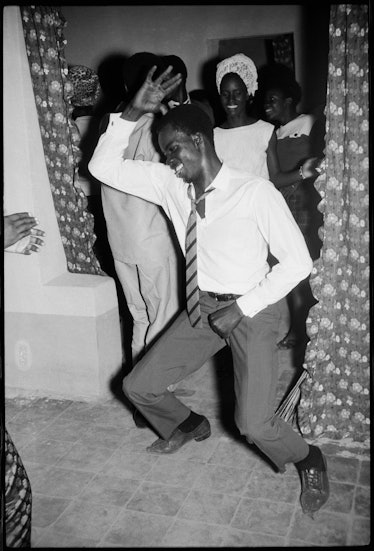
x: 245, y: 217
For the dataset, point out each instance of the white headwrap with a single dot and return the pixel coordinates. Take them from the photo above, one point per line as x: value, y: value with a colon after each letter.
x: 242, y: 66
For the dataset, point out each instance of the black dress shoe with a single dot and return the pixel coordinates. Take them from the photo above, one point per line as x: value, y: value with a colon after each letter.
x: 314, y: 487
x: 179, y: 438
x: 139, y: 420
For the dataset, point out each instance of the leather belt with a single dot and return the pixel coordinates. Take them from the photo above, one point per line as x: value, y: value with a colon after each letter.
x: 219, y: 297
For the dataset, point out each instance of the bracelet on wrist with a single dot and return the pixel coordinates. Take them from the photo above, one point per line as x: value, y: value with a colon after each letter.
x: 301, y: 173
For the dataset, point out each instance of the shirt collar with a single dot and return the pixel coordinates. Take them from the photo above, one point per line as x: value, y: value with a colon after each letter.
x: 222, y: 179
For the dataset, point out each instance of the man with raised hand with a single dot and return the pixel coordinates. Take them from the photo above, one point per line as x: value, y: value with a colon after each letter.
x: 226, y: 221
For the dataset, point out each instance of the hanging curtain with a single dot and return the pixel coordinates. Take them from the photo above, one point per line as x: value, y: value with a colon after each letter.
x: 335, y: 401
x: 43, y: 32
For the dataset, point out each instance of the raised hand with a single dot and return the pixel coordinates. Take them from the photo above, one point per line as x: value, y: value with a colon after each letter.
x: 148, y: 98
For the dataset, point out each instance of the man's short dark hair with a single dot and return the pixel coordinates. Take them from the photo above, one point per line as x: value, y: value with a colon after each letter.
x: 189, y: 119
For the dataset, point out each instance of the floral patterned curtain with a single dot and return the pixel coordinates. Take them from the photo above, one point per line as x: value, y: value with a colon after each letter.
x: 43, y: 32
x: 335, y: 400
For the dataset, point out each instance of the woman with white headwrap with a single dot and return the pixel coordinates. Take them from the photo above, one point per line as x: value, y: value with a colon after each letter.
x: 250, y: 144
x: 245, y: 142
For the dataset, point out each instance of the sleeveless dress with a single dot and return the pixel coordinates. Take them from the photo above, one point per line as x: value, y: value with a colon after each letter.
x: 245, y: 147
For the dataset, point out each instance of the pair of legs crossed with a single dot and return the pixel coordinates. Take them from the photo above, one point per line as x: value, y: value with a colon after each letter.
x: 182, y: 350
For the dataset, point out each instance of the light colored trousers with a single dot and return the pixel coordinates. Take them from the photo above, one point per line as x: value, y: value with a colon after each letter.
x: 183, y: 349
x: 151, y: 292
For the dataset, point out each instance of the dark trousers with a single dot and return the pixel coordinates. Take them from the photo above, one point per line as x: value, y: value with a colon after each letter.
x: 182, y: 350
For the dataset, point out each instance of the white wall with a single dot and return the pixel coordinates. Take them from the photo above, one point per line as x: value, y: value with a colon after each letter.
x: 94, y: 32
x: 62, y: 332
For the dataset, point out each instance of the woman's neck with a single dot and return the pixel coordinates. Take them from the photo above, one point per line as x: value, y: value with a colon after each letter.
x: 288, y: 116
x: 237, y: 121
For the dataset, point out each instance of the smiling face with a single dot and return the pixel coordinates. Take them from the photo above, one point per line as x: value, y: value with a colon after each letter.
x: 182, y: 153
x: 276, y: 105
x: 233, y: 94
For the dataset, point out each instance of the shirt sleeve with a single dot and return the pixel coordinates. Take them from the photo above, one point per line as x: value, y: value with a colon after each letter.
x: 286, y: 243
x: 145, y: 179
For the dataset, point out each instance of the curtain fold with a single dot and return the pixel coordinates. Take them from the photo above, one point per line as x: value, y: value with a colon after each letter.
x: 335, y: 400
x: 43, y: 32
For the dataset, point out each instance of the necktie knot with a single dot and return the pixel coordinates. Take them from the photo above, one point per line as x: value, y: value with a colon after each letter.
x: 199, y: 203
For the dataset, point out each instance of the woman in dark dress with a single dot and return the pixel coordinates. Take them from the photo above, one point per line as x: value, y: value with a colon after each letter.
x: 299, y: 136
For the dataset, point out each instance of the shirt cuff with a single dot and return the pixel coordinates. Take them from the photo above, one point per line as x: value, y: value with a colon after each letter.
x: 250, y: 305
x: 117, y: 125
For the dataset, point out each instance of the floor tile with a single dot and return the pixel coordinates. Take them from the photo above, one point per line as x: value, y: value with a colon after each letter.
x: 341, y: 498
x: 158, y: 498
x: 84, y: 457
x: 109, y: 491
x: 240, y: 538
x: 175, y: 471
x: 137, y: 440
x: 343, y: 468
x: 362, y: 501
x: 326, y: 529
x: 59, y: 482
x: 137, y: 529
x: 301, y: 543
x: 70, y: 430
x: 273, y: 486
x: 104, y: 435
x: 45, y: 451
x: 222, y: 479
x: 364, y: 477
x: 234, y: 454
x: 361, y: 532
x: 42, y: 408
x: 272, y: 517
x: 95, y: 486
x: 126, y: 464
x: 51, y: 540
x: 86, y: 519
x: 184, y: 533
x: 22, y: 433
x: 217, y: 508
x: 46, y: 509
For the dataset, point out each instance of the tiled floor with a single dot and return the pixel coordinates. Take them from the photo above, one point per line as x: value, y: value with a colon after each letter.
x: 94, y: 485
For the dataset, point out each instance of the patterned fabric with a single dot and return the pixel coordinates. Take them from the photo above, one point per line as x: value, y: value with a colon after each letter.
x: 192, y: 287
x: 335, y: 404
x: 242, y: 66
x: 42, y: 27
x: 86, y: 86
x: 18, y: 498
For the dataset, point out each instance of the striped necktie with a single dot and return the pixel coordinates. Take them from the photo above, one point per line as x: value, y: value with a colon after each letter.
x: 192, y: 288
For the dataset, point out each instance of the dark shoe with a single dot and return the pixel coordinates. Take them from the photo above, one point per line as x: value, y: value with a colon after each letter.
x: 139, y: 420
x: 179, y: 439
x: 314, y: 487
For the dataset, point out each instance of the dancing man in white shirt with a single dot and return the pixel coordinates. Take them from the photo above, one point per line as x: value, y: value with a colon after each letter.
x: 240, y: 217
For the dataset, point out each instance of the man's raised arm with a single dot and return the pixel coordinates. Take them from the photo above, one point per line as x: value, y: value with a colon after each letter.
x: 107, y: 163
